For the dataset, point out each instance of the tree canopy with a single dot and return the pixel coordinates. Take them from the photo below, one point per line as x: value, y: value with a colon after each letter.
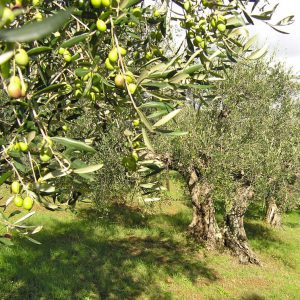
x: 113, y: 60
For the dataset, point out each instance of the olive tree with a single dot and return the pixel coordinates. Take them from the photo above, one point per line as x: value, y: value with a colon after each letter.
x: 242, y: 148
x: 274, y: 112
x: 61, y: 60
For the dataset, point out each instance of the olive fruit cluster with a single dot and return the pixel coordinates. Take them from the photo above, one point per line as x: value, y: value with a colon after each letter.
x: 106, y: 4
x: 26, y: 203
x: 204, y: 30
x: 198, y: 31
x: 113, y: 57
x: 19, y: 146
x: 16, y: 88
x: 129, y: 78
x: 154, y: 51
x: 137, y: 12
x: 212, y: 3
x: 66, y: 54
x: 111, y: 60
x: 99, y: 3
x: 218, y: 22
x: 45, y: 150
x: 130, y: 161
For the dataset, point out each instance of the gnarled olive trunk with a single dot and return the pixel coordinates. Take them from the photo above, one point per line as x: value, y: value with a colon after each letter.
x: 273, y: 214
x: 235, y: 237
x: 203, y: 227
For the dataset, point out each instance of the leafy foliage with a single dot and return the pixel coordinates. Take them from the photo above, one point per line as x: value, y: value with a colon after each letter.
x: 250, y: 136
x: 61, y: 60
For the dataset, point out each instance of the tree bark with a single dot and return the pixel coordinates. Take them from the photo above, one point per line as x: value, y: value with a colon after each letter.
x: 235, y: 237
x: 273, y: 214
x: 203, y: 227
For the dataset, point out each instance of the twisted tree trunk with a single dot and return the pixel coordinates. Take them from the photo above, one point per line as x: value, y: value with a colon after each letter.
x: 273, y: 214
x: 203, y: 227
x: 235, y: 237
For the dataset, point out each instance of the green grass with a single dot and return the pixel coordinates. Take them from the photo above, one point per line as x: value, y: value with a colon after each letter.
x: 132, y: 255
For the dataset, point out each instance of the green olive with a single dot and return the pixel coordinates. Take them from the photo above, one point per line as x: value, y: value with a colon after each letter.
x: 38, y: 16
x: 213, y: 22
x: 149, y: 55
x: 101, y: 26
x: 22, y: 58
x: 96, y: 3
x: 221, y: 27
x: 132, y: 24
x: 113, y: 55
x: 18, y: 201
x: 67, y: 57
x: 156, y: 14
x: 203, y: 44
x: 61, y: 51
x: 132, y: 88
x: 45, y: 154
x: 187, y: 6
x: 137, y: 12
x: 135, y: 155
x: 16, y: 187
x: 106, y: 3
x: 122, y: 51
x: 136, y: 122
x: 27, y: 203
x: 108, y: 65
x: 16, y: 147
x: 23, y: 146
x: 7, y: 16
x: 65, y: 128
x: 37, y: 2
x: 129, y: 77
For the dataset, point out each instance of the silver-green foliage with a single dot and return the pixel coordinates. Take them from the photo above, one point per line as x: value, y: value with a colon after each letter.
x: 249, y: 135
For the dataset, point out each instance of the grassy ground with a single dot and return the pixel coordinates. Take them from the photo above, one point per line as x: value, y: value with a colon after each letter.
x: 131, y: 255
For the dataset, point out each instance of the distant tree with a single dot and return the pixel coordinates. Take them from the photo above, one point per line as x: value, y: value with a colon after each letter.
x: 242, y: 148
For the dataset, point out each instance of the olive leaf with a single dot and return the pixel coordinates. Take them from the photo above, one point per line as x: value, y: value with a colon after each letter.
x: 35, y: 30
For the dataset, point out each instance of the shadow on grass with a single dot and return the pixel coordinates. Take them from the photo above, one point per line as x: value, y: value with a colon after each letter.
x: 262, y: 233
x: 265, y: 234
x: 291, y: 219
x: 265, y: 239
x: 134, y: 217
x: 93, y: 260
x: 292, y: 224
x: 253, y: 297
x: 179, y: 221
x: 119, y: 213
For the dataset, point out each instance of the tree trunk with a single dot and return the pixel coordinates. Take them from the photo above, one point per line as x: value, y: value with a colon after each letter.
x: 273, y: 214
x: 203, y: 227
x: 235, y: 237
